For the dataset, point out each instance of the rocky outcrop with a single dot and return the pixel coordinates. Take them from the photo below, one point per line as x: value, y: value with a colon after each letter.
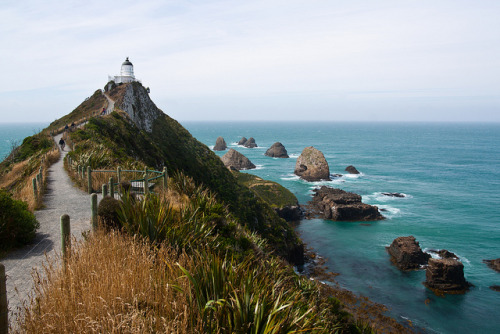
x: 290, y: 213
x: 250, y: 143
x: 242, y: 141
x: 339, y: 205
x: 446, y: 276
x: 351, y: 169
x: 136, y: 102
x: 220, y: 144
x: 312, y: 166
x: 234, y: 159
x: 495, y: 288
x: 444, y: 254
x: 493, y: 264
x: 406, y: 253
x: 277, y: 150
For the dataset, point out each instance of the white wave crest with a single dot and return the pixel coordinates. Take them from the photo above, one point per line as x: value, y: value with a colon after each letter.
x: 290, y: 177
x: 389, y: 212
x: 257, y: 167
x: 294, y: 155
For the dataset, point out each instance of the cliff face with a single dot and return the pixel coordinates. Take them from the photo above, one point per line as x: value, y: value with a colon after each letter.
x: 135, y: 101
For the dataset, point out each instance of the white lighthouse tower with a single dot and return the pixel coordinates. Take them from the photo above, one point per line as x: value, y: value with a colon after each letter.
x: 126, y: 73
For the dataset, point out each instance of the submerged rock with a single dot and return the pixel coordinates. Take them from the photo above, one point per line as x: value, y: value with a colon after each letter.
x: 351, y: 169
x: 406, y: 253
x: 493, y: 264
x: 444, y: 254
x: 242, y: 141
x: 394, y: 195
x: 250, y: 143
x: 339, y: 205
x: 495, y: 288
x: 446, y: 276
x: 277, y: 150
x: 312, y: 166
x: 234, y: 159
x: 220, y: 144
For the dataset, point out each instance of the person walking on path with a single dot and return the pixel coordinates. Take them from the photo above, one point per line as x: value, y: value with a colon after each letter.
x: 62, y: 143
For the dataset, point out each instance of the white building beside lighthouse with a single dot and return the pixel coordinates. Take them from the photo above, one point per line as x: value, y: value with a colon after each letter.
x: 126, y: 73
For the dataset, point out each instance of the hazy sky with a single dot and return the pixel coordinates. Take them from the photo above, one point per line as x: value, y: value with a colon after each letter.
x: 422, y: 60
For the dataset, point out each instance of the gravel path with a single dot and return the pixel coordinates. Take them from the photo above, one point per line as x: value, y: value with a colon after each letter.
x: 111, y: 104
x: 61, y: 197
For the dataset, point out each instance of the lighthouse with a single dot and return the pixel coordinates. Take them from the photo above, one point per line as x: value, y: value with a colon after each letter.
x: 126, y: 73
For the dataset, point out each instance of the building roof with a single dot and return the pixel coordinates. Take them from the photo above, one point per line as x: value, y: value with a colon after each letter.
x: 127, y: 62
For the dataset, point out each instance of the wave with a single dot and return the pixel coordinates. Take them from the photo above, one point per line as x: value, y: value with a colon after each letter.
x: 433, y: 253
x: 389, y: 212
x: 380, y: 197
x: 353, y: 176
x: 294, y: 155
x: 257, y: 167
x: 290, y: 177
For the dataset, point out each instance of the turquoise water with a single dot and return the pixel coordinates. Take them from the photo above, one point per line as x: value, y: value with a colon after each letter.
x: 451, y: 175
x: 14, y: 133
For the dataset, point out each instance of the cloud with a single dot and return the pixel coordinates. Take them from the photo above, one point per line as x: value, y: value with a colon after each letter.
x: 219, y: 51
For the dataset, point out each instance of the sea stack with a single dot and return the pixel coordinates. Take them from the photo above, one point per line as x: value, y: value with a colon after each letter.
x: 446, y: 276
x: 351, y: 169
x: 312, y: 166
x: 250, y: 143
x: 406, y: 253
x: 236, y: 160
x: 277, y: 150
x: 220, y: 144
x: 242, y: 141
x: 339, y: 205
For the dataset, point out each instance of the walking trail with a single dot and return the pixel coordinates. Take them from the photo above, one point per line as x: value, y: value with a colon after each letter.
x: 62, y: 197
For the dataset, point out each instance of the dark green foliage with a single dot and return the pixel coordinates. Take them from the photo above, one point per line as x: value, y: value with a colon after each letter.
x: 108, y: 210
x: 17, y: 224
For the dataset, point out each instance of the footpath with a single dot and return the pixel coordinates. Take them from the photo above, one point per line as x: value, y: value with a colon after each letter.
x: 61, y: 197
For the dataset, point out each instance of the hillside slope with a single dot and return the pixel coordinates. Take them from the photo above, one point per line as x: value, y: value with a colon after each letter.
x: 141, y: 133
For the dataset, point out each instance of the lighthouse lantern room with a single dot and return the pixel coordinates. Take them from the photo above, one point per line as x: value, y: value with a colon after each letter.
x: 126, y: 73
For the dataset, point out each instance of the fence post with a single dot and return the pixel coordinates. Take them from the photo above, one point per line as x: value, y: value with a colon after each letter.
x: 35, y: 192
x: 119, y: 174
x: 93, y: 206
x: 4, y: 311
x: 79, y: 170
x: 146, y: 185
x: 111, y: 187
x: 165, y: 178
x: 89, y: 179
x: 104, y: 190
x: 65, y: 238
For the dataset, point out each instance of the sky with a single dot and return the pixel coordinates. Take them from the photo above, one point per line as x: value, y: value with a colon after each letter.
x: 265, y: 60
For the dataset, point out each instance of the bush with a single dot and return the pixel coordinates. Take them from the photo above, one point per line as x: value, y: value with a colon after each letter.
x: 108, y: 212
x: 17, y: 224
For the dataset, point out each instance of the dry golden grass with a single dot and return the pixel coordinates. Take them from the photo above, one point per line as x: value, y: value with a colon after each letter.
x: 21, y: 184
x: 113, y: 284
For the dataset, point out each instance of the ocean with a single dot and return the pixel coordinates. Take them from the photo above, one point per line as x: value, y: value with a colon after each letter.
x: 450, y: 174
x: 14, y: 133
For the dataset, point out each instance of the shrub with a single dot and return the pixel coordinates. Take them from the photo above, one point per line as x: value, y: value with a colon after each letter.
x: 108, y: 212
x: 17, y: 224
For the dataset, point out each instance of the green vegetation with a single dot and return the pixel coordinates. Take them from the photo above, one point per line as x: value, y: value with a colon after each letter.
x: 171, y: 145
x: 17, y: 224
x: 270, y: 192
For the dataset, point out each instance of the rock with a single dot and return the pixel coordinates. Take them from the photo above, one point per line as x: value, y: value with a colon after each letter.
x: 351, y: 169
x: 220, y: 144
x: 444, y: 254
x: 242, y: 141
x: 312, y: 166
x: 406, y: 253
x: 446, y: 276
x: 277, y: 150
x: 339, y: 205
x: 493, y: 264
x: 250, y: 143
x: 394, y: 194
x: 290, y: 213
x: 495, y: 288
x: 236, y: 160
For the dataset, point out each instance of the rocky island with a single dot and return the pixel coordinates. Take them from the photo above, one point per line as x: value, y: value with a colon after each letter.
x: 339, y: 205
x: 312, y: 165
